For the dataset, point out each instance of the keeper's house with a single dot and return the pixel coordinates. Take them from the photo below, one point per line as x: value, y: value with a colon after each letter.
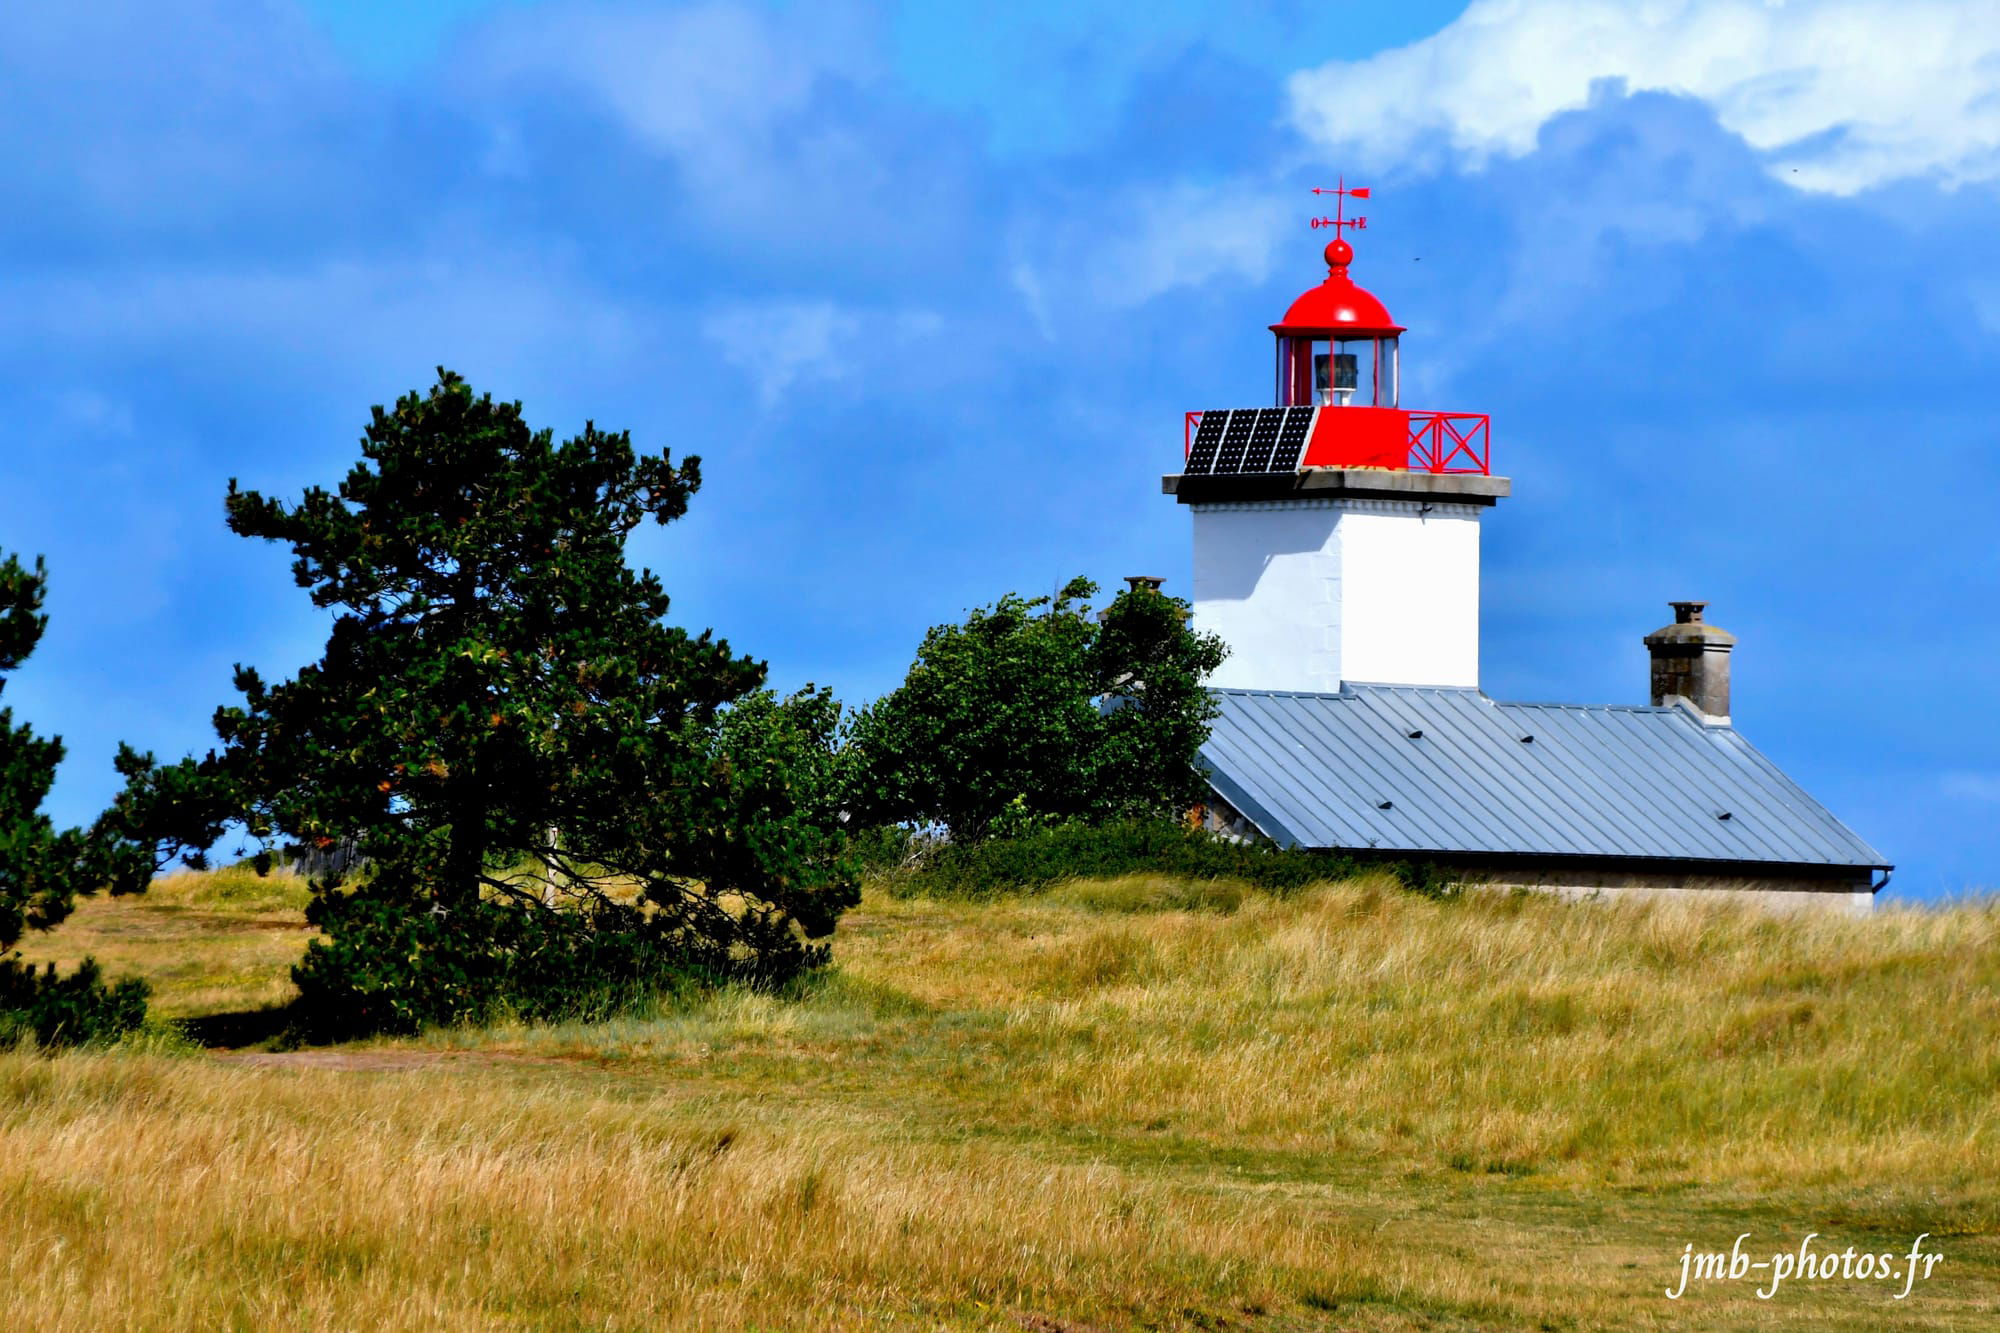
x: 1336, y: 551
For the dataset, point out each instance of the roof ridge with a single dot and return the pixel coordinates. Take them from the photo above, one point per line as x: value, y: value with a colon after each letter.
x: 1600, y: 708
x: 1354, y: 689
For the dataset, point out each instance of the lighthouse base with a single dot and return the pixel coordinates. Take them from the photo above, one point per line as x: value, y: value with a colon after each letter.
x: 1311, y: 592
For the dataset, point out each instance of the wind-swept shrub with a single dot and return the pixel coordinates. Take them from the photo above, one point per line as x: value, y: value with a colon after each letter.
x: 1035, y: 712
x: 73, y: 1009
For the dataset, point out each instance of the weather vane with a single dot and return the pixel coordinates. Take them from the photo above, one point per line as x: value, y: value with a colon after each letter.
x: 1340, y: 221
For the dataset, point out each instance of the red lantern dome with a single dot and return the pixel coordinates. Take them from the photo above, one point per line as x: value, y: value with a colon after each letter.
x: 1337, y: 307
x: 1338, y: 401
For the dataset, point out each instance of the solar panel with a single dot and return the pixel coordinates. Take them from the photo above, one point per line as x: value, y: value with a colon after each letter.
x: 1235, y: 442
x: 1251, y: 440
x: 1207, y: 439
x: 1263, y: 439
x: 1292, y: 439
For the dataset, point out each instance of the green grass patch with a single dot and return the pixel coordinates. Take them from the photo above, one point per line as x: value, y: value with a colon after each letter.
x: 1035, y: 861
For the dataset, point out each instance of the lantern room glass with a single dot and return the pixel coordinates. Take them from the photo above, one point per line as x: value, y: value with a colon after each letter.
x: 1338, y: 372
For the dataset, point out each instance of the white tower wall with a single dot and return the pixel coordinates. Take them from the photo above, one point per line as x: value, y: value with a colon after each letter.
x: 1310, y: 592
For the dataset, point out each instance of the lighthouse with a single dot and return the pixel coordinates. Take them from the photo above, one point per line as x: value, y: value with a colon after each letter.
x: 1336, y: 532
x: 1336, y: 552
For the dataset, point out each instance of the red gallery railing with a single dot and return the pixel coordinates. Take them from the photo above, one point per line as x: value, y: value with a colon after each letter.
x: 1446, y: 442
x: 1450, y: 442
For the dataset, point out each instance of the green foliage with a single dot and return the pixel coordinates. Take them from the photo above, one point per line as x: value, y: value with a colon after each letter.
x: 42, y: 868
x: 168, y: 813
x: 1034, y: 712
x: 388, y: 964
x: 499, y: 687
x: 74, y: 1010
x: 1037, y: 860
x: 882, y: 847
x: 21, y: 618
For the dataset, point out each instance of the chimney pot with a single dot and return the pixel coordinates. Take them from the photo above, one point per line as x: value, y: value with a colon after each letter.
x: 1138, y: 582
x: 1691, y: 662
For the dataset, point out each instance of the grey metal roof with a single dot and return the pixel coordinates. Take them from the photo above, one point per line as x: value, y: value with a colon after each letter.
x: 1344, y: 770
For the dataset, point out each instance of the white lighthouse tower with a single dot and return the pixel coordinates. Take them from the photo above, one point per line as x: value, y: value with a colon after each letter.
x: 1336, y: 533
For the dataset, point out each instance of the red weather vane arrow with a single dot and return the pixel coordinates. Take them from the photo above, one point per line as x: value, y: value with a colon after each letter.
x: 1340, y: 221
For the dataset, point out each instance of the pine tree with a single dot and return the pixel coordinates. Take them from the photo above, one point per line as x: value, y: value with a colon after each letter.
x: 558, y: 794
x: 42, y: 868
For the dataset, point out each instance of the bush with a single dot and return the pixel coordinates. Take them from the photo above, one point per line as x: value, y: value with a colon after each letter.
x: 886, y: 847
x: 1035, y: 860
x: 1034, y: 711
x: 74, y: 1010
x: 387, y: 966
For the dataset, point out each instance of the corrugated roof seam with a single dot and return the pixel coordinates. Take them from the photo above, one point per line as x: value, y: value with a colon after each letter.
x: 1438, y: 769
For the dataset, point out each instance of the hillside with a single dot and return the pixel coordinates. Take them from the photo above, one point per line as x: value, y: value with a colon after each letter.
x: 1126, y: 1104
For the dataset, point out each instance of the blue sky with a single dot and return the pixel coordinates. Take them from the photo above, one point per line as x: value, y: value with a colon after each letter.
x: 930, y: 286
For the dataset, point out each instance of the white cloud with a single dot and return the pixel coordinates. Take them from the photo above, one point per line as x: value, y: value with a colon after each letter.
x: 1189, y: 235
x: 1092, y: 257
x: 690, y: 81
x: 161, y: 113
x: 1984, y: 787
x: 1841, y: 95
x: 1984, y: 293
x: 781, y: 345
x: 725, y: 91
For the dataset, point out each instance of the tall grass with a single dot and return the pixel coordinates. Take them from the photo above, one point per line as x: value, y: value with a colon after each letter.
x: 1649, y: 1042
x: 180, y: 1193
x: 1130, y: 1102
x: 1039, y: 858
x: 205, y: 942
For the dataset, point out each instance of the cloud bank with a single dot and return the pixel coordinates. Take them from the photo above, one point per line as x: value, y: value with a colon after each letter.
x: 1839, y: 96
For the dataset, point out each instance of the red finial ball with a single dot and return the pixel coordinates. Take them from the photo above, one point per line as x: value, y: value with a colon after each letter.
x: 1339, y: 254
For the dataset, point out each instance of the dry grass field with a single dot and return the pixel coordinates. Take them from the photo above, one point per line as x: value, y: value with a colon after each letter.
x: 1127, y: 1104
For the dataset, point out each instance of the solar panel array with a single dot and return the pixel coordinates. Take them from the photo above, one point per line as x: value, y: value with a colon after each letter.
x: 1248, y: 441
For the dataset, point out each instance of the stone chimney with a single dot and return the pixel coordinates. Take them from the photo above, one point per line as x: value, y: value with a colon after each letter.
x: 1139, y: 583
x: 1691, y: 662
